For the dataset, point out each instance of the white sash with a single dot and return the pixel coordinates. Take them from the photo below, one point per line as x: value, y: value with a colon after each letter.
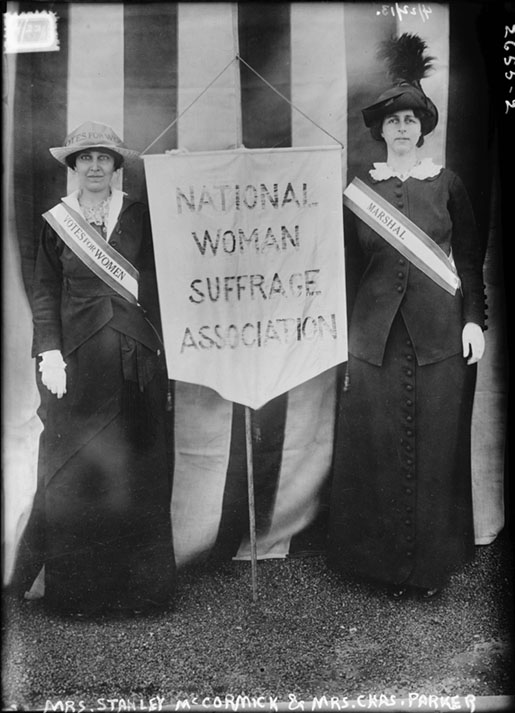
x: 404, y: 235
x: 96, y: 253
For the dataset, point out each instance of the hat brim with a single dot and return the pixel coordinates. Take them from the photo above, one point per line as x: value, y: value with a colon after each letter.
x: 396, y: 100
x: 61, y: 153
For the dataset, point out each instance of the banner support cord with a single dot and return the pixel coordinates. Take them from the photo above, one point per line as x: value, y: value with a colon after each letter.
x: 237, y: 58
x: 271, y: 86
x: 237, y: 80
x: 188, y: 107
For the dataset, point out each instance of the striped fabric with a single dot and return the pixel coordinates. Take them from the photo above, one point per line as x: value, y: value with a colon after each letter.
x: 139, y: 66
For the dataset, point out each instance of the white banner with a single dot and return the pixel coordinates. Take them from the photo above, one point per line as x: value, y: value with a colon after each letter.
x: 250, y: 267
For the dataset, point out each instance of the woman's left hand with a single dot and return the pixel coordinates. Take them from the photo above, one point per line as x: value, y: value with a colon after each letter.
x: 473, y: 341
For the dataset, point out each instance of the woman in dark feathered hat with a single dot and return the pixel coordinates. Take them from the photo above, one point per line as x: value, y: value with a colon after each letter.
x: 401, y: 501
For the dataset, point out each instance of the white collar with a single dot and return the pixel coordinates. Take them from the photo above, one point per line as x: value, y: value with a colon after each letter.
x: 115, y: 206
x: 423, y: 169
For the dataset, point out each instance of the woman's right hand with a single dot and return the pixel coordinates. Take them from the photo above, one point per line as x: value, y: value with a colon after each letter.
x: 53, y: 372
x: 473, y: 341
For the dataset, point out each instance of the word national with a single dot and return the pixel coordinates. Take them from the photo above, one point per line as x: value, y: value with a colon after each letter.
x: 225, y: 198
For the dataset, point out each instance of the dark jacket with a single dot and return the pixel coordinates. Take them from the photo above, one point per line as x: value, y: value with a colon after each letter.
x: 71, y: 303
x: 434, y: 319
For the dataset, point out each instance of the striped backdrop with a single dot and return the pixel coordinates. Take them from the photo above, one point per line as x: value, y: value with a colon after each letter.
x: 138, y: 67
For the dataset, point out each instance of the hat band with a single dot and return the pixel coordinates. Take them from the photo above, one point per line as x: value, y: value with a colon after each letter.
x: 100, y: 138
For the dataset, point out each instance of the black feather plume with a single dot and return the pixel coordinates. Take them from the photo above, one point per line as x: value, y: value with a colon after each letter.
x: 405, y: 59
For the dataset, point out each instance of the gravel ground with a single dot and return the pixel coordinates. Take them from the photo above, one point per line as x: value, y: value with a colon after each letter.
x: 311, y: 633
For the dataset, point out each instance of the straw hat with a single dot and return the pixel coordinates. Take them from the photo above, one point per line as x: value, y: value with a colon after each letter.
x: 91, y: 135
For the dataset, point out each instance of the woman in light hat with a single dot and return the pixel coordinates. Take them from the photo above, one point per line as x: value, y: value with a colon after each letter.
x: 102, y: 510
x: 401, y: 501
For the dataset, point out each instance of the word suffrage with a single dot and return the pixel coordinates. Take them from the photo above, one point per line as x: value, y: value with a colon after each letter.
x: 250, y: 267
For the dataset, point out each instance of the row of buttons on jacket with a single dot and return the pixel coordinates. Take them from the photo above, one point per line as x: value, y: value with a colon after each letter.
x: 407, y: 442
x: 401, y: 274
x: 399, y: 203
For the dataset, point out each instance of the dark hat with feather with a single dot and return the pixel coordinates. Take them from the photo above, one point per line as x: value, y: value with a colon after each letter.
x: 406, y: 64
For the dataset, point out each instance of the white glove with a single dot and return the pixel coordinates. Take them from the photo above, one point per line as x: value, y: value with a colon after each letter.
x: 53, y: 374
x: 473, y: 341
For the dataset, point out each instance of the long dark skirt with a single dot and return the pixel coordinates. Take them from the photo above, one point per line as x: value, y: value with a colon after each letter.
x: 401, y: 504
x: 103, y: 502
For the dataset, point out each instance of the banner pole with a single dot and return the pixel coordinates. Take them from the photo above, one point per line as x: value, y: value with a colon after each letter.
x: 252, y: 509
x: 248, y: 422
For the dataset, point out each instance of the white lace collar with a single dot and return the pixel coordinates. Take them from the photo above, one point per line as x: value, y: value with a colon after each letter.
x: 423, y: 169
x: 115, y: 206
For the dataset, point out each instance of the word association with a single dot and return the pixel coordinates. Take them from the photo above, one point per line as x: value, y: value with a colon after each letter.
x: 278, y: 332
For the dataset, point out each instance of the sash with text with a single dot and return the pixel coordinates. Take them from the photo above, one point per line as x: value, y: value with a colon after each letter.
x: 400, y: 232
x: 95, y: 252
